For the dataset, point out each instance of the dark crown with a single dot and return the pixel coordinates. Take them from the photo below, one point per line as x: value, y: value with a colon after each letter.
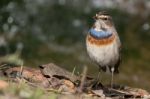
x: 103, y: 13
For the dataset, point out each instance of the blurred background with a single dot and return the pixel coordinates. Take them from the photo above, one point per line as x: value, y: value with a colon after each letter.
x: 34, y: 32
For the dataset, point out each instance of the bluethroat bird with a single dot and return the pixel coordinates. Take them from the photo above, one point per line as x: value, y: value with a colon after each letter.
x: 103, y: 44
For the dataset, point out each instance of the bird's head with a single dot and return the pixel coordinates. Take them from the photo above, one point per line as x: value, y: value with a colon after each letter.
x: 103, y: 21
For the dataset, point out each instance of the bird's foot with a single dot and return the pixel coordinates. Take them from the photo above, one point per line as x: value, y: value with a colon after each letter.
x: 97, y: 85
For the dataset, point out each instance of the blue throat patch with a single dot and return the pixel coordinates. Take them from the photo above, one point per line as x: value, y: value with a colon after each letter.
x: 99, y: 34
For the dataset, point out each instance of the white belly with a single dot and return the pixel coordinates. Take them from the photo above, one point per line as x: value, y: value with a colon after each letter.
x: 105, y: 55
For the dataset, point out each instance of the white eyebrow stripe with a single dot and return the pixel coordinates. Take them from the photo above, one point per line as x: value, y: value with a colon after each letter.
x: 103, y: 16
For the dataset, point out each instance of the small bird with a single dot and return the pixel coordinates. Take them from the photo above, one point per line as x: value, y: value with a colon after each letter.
x: 103, y: 44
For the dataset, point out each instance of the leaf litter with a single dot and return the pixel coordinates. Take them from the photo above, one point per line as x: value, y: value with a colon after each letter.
x: 53, y: 78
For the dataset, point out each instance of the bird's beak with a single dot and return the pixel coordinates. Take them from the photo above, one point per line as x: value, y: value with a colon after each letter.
x: 94, y: 17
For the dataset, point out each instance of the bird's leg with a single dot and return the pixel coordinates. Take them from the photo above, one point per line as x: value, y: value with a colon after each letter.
x: 98, y: 77
x: 98, y: 80
x: 112, y: 76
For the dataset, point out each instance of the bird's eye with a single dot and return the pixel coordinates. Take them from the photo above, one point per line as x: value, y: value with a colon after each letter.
x: 105, y: 18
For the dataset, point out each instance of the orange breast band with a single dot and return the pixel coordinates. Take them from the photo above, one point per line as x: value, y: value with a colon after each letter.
x: 99, y: 42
